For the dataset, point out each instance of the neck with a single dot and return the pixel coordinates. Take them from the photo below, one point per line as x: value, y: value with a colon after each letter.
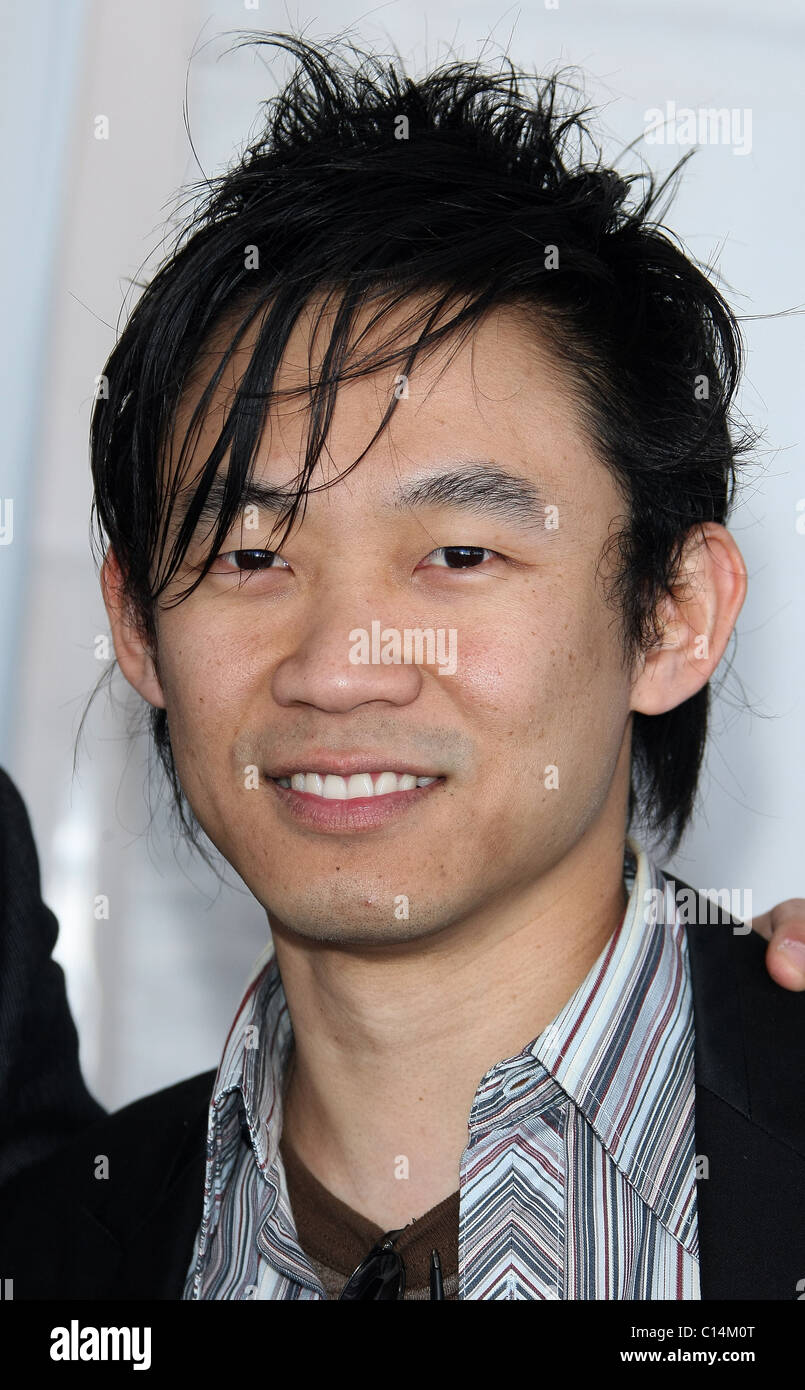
x: 391, y: 1043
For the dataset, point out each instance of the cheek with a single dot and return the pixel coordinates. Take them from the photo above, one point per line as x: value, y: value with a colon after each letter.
x: 537, y: 653
x: 513, y: 695
x: 546, y: 691
x: 205, y: 677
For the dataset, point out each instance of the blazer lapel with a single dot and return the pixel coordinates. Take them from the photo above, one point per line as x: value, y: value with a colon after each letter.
x: 157, y: 1257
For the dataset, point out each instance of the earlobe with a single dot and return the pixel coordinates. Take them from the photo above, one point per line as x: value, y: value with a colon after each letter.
x: 696, y: 623
x: 131, y: 649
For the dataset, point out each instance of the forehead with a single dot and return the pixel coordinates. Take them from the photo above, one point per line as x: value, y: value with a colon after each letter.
x: 496, y: 390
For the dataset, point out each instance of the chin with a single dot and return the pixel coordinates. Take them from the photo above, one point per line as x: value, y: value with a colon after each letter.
x: 347, y: 919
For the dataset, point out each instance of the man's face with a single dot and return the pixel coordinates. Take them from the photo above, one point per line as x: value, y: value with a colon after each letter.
x: 527, y: 737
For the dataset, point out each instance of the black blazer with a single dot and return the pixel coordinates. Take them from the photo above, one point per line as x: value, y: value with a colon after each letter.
x: 66, y: 1234
x: 43, y: 1098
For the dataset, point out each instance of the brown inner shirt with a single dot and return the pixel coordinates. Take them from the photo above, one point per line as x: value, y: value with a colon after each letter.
x: 336, y: 1239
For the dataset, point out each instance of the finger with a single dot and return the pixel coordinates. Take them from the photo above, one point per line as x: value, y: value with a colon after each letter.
x: 785, y: 956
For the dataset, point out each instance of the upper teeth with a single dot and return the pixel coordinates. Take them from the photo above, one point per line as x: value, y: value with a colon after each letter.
x: 359, y: 784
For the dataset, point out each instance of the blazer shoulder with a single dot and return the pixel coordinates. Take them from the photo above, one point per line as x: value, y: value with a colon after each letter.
x: 113, y: 1213
x: 119, y: 1166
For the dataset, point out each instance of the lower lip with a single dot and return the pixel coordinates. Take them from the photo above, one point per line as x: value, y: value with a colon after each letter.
x: 360, y: 813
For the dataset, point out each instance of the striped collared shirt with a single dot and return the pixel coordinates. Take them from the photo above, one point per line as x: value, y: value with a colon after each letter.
x: 578, y: 1177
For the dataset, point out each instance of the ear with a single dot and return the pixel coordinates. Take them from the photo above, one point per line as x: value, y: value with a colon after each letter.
x: 696, y: 622
x: 133, y: 654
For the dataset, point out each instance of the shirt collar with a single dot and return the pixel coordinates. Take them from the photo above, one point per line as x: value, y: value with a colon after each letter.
x: 255, y: 1057
x: 621, y: 1049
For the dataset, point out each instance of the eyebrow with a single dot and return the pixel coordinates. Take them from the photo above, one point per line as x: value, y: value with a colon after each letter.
x: 479, y: 487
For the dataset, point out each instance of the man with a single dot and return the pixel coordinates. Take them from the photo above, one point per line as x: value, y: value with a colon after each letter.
x: 413, y: 471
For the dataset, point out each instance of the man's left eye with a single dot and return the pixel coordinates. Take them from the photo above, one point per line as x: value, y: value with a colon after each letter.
x: 460, y: 557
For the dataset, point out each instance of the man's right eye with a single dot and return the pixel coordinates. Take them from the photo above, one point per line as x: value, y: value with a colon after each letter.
x: 250, y: 560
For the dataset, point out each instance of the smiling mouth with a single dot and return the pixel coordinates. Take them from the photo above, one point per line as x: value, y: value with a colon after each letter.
x: 330, y: 804
x: 358, y: 785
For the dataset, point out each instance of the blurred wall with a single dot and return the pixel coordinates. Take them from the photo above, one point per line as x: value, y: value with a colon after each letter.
x: 154, y: 987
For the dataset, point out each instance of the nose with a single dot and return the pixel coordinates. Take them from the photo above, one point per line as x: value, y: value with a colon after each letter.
x: 334, y: 665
